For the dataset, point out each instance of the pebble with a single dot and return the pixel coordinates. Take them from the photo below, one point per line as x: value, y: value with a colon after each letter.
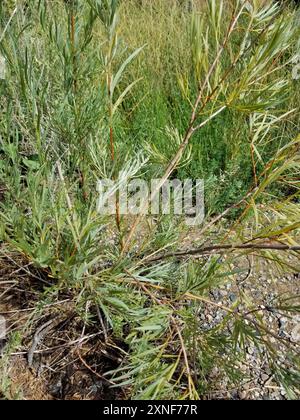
x: 295, y: 334
x: 232, y: 297
x: 282, y: 323
x: 209, y: 318
x: 264, y: 377
x: 283, y: 392
x: 216, y: 294
x: 263, y: 292
x: 250, y: 350
x: 242, y: 395
x: 214, y: 372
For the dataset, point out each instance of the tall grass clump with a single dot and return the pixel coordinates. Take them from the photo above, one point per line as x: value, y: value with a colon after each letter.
x: 94, y: 88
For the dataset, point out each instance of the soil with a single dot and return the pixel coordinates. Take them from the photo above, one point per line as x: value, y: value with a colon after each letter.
x: 69, y: 361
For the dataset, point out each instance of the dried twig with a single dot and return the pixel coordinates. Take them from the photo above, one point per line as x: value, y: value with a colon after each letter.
x: 40, y: 335
x: 92, y: 370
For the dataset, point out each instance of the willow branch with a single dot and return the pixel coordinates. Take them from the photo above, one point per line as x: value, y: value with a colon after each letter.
x: 232, y: 247
x: 197, y: 109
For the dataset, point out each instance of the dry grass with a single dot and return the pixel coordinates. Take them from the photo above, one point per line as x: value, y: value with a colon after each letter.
x: 24, y: 383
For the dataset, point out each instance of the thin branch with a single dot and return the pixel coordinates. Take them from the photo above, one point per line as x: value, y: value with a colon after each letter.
x: 168, y: 172
x: 92, y: 370
x: 160, y: 301
x: 231, y: 311
x: 189, y: 133
x: 191, y: 129
x: 228, y: 210
x: 232, y: 247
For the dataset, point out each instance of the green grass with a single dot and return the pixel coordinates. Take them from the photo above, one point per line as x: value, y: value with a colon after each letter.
x: 221, y: 150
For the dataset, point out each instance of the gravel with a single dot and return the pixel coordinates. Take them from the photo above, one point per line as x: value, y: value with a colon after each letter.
x: 262, y: 289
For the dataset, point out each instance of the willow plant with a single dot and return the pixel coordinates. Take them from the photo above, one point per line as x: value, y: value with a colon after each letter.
x: 63, y: 94
x: 107, y: 12
x: 248, y: 79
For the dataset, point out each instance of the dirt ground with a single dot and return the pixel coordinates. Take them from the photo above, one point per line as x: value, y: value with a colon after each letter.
x: 58, y: 357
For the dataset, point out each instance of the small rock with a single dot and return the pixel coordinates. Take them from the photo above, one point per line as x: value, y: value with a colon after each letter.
x: 295, y: 334
x: 282, y: 323
x: 283, y: 392
x: 242, y: 395
x: 214, y: 372
x: 223, y: 293
x: 257, y: 394
x: 216, y: 294
x: 264, y: 377
x: 244, y: 369
x: 209, y: 318
x: 232, y: 297
x: 235, y: 395
x: 250, y: 350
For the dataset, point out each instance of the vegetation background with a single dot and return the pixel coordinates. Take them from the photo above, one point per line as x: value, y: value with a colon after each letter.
x: 155, y: 89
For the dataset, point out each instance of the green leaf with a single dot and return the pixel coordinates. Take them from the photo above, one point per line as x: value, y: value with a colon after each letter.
x: 119, y: 74
x: 123, y: 95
